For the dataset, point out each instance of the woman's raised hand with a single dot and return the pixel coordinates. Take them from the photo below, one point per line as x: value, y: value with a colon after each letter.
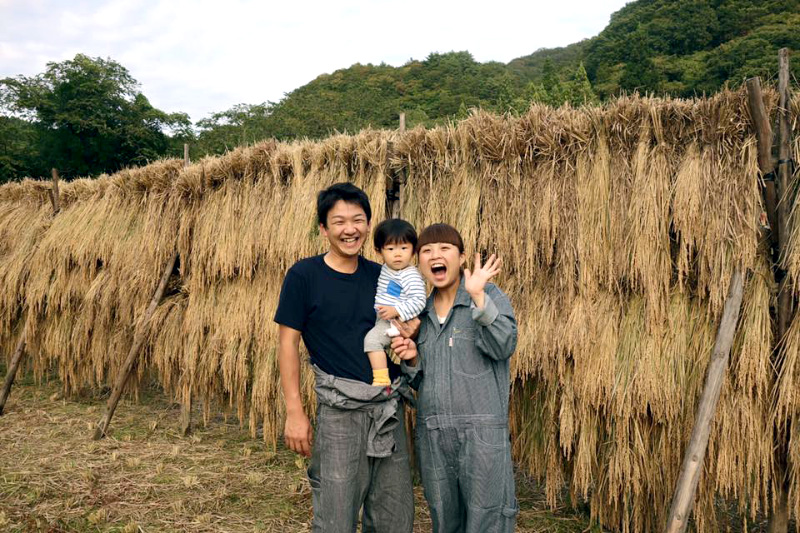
x: 475, y: 280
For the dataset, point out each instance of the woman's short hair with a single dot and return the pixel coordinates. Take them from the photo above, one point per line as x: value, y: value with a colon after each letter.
x: 440, y: 233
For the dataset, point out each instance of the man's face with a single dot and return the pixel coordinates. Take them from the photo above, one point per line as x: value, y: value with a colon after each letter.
x: 347, y: 228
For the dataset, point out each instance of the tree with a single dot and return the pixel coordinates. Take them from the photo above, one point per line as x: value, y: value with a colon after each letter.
x: 640, y: 72
x: 576, y: 90
x: 241, y: 124
x: 17, y: 148
x: 89, y: 117
x: 579, y: 88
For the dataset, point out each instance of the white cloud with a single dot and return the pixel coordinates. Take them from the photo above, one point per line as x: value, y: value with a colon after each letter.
x: 204, y: 56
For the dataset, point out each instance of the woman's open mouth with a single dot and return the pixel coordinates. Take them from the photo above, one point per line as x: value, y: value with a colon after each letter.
x: 439, y: 271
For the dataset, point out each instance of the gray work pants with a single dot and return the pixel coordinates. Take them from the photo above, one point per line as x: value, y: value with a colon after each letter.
x: 467, y: 476
x: 343, y: 478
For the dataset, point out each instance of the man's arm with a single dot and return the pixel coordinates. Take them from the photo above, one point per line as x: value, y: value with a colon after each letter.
x: 297, y: 431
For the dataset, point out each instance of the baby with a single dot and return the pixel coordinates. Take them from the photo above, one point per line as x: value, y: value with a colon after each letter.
x: 400, y: 294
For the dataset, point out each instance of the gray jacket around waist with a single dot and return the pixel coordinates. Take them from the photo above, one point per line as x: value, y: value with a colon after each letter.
x: 462, y: 372
x: 380, y: 404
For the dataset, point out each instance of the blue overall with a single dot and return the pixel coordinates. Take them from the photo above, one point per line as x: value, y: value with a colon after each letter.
x: 462, y: 437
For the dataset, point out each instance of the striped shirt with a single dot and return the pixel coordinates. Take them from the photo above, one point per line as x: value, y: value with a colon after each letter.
x: 402, y: 289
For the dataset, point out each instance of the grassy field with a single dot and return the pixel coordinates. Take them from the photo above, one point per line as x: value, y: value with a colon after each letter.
x: 146, y: 477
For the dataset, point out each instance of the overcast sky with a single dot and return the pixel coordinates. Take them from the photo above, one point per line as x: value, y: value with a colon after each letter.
x: 203, y: 56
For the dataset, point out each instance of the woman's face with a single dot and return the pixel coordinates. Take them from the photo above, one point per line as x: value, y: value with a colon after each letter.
x: 440, y: 263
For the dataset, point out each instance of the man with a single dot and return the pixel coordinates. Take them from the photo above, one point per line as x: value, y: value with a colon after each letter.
x: 328, y: 300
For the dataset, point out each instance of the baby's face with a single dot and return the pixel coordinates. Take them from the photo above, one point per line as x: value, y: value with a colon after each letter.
x: 397, y: 255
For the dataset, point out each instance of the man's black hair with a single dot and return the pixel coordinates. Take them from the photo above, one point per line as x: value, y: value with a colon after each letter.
x: 341, y: 191
x: 394, y: 231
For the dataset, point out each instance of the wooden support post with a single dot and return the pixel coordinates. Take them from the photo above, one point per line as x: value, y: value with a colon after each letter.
x: 782, y: 188
x: 758, y: 113
x: 138, y: 341
x: 186, y: 411
x: 12, y: 370
x: 54, y: 193
x: 779, y: 519
x: 186, y: 393
x: 397, y: 182
x: 696, y: 450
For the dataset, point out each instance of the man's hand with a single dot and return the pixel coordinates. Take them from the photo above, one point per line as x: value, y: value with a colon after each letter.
x: 387, y: 312
x: 406, y: 349
x: 298, y: 433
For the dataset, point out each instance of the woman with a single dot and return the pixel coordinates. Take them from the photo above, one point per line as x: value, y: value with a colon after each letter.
x: 466, y: 337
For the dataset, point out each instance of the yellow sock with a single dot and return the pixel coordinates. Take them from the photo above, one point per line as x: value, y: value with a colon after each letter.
x: 380, y: 377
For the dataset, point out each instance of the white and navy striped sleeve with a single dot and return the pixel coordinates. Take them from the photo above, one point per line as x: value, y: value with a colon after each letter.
x: 413, y: 294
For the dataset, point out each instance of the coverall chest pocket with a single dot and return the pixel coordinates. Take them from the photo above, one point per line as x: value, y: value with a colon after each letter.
x: 467, y: 359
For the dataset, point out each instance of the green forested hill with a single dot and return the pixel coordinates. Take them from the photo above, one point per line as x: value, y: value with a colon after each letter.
x: 439, y: 87
x: 436, y: 89
x: 532, y: 67
x: 679, y: 47
x: 682, y: 47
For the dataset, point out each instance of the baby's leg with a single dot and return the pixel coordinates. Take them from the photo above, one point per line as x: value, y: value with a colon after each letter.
x: 380, y: 368
x: 374, y: 344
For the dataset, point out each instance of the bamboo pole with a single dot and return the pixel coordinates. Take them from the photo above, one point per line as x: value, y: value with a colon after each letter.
x: 696, y: 450
x: 779, y: 520
x: 19, y: 351
x: 138, y: 341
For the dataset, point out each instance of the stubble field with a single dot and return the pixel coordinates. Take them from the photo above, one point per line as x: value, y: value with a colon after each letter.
x: 146, y: 477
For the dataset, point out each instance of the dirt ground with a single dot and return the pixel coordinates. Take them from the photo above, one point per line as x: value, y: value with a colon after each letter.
x: 146, y: 477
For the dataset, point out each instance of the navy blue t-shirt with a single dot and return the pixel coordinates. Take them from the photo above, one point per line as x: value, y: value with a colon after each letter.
x: 333, y: 311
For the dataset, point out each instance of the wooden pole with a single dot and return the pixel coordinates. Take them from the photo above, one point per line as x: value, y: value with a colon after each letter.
x: 12, y: 370
x: 19, y: 351
x: 138, y: 341
x: 397, y: 182
x: 779, y: 520
x: 186, y: 411
x: 186, y: 394
x: 696, y: 450
x: 758, y: 113
x: 782, y: 188
x: 54, y: 193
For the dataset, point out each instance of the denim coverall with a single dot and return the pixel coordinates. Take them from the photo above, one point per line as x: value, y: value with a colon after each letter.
x: 462, y: 437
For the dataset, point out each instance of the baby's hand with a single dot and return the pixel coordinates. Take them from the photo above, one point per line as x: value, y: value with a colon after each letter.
x: 387, y: 312
x: 407, y: 329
